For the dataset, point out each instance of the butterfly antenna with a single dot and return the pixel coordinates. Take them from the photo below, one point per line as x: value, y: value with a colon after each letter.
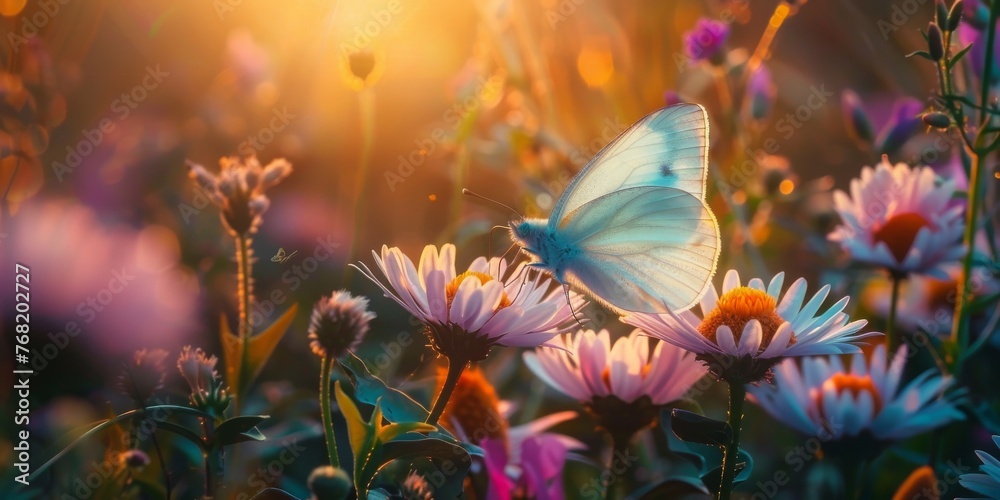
x: 570, y: 302
x: 491, y: 200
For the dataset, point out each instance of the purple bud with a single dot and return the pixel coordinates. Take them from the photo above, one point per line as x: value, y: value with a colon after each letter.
x: 859, y: 125
x: 936, y: 119
x: 935, y: 42
x: 705, y: 40
x: 904, y: 123
x: 760, y: 89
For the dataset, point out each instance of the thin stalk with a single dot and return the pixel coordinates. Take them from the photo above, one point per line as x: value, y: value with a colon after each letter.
x: 455, y: 369
x: 619, y: 447
x: 984, y: 91
x: 326, y: 367
x: 891, y: 335
x: 737, y: 396
x: 760, y: 53
x: 156, y: 442
x: 366, y: 105
x: 960, y: 332
x: 245, y: 296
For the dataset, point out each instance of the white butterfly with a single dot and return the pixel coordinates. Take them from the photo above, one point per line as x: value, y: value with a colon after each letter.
x: 632, y: 228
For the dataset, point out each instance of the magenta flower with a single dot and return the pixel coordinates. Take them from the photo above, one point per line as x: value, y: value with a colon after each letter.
x: 705, y: 40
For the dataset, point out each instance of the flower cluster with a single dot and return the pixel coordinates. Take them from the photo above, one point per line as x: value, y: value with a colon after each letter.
x: 240, y: 189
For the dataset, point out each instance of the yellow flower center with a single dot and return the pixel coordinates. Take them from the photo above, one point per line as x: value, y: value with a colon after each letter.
x: 736, y: 308
x: 855, y: 384
x: 899, y: 232
x: 475, y: 408
x: 452, y: 289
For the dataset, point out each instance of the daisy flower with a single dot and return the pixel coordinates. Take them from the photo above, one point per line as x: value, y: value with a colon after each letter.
x: 622, y: 385
x: 467, y: 314
x: 748, y: 329
x: 899, y: 218
x: 837, y: 403
x: 987, y: 480
x: 523, y: 459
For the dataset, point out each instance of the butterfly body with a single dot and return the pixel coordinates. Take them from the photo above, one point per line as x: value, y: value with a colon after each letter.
x: 632, y: 228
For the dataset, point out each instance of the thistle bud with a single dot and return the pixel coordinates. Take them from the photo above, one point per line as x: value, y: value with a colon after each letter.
x: 955, y: 16
x: 935, y: 42
x: 936, y: 119
x: 338, y: 324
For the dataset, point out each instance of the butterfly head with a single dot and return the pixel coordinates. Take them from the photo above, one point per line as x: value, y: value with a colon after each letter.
x: 529, y: 233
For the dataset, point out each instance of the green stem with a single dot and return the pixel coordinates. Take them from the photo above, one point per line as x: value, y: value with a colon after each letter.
x: 737, y: 396
x: 984, y: 90
x: 245, y: 297
x: 455, y: 369
x: 619, y: 447
x: 366, y: 105
x: 891, y: 335
x: 326, y: 367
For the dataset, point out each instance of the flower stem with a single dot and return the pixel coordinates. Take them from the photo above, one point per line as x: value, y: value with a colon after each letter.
x: 891, y: 335
x: 245, y: 293
x: 366, y: 105
x: 619, y: 447
x: 324, y: 402
x: 737, y: 396
x: 455, y: 369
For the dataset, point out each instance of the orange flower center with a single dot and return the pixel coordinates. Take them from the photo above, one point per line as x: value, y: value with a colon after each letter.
x: 452, y: 288
x: 736, y: 308
x: 899, y: 232
x: 475, y: 408
x: 854, y: 384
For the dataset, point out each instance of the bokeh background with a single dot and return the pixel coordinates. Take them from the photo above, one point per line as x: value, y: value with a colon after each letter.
x: 506, y: 97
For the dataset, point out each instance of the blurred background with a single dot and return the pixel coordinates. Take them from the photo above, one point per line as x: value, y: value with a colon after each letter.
x: 386, y: 109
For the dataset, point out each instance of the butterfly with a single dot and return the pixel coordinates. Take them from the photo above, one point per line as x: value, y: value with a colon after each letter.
x: 632, y: 229
x: 281, y: 257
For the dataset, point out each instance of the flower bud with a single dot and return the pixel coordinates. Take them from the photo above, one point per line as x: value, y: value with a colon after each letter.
x: 902, y: 126
x: 941, y: 13
x: 935, y: 42
x: 955, y: 16
x: 329, y: 483
x: 936, y: 119
x: 859, y: 125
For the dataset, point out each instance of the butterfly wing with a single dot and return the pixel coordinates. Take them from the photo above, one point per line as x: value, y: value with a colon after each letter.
x: 642, y: 249
x: 667, y: 148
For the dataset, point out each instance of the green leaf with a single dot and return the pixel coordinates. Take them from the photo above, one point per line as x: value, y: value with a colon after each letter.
x: 391, y: 431
x: 368, y: 388
x: 696, y: 428
x: 438, y: 449
x: 182, y: 431
x: 358, y: 431
x: 921, y: 53
x: 982, y: 303
x: 678, y: 452
x: 954, y: 59
x: 261, y: 346
x: 239, y: 429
